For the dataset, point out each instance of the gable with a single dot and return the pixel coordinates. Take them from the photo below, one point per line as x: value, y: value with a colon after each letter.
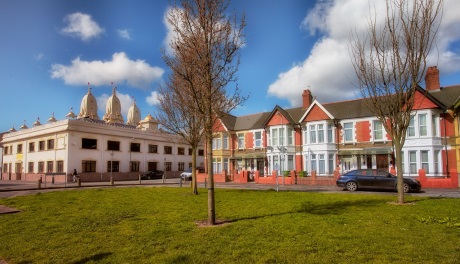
x: 218, y: 126
x: 422, y: 102
x: 315, y: 114
x: 277, y: 119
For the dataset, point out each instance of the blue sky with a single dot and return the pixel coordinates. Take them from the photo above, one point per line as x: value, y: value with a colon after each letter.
x: 51, y: 49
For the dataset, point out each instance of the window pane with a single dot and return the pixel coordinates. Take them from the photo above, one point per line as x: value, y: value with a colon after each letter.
x: 348, y: 129
x: 329, y: 133
x: 275, y: 137
x: 424, y: 159
x: 312, y: 134
x: 411, y: 128
x: 413, y: 162
x: 422, y: 124
x: 378, y: 130
x: 320, y: 133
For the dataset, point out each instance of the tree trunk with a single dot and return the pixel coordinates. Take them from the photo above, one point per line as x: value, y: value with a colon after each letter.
x: 400, y: 182
x: 211, y: 203
x: 194, y: 186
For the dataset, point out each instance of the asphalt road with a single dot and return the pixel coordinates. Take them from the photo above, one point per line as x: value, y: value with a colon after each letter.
x: 21, y: 188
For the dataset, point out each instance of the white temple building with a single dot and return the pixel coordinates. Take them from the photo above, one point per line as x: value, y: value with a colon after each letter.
x: 97, y: 148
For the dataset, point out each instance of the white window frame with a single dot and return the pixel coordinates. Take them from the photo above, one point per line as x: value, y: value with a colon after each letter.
x: 411, y: 127
x: 258, y: 139
x: 225, y: 141
x: 274, y: 136
x: 422, y: 125
x: 313, y: 165
x: 348, y: 132
x: 320, y: 133
x: 330, y: 164
x: 412, y: 162
x: 330, y: 133
x: 290, y: 140
x: 321, y: 164
x: 424, y: 159
x: 434, y: 125
x: 241, y: 141
x: 312, y: 132
x: 377, y: 131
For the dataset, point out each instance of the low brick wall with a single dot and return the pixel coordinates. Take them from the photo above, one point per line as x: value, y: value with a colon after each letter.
x: 202, y: 177
x: 450, y: 182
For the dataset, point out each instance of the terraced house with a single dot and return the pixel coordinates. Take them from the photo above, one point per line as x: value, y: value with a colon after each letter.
x: 323, y: 139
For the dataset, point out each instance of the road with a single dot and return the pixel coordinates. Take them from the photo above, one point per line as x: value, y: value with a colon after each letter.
x: 21, y: 188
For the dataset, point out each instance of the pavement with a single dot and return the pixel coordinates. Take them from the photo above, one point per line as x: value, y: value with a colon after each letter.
x: 21, y: 188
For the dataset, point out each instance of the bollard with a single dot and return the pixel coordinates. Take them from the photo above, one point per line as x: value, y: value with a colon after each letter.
x: 39, y: 183
x: 52, y: 180
x: 205, y: 181
x: 180, y: 182
x: 111, y: 181
x: 140, y: 179
x: 79, y: 182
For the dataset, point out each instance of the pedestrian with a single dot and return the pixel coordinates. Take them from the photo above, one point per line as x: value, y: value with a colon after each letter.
x: 75, y: 175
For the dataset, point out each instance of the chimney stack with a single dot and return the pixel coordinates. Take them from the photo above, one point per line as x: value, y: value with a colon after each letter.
x: 307, y: 99
x: 432, y: 79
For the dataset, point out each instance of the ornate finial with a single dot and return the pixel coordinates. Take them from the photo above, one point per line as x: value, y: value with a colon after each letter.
x: 24, y: 126
x: 52, y: 119
x: 37, y: 123
x: 71, y: 113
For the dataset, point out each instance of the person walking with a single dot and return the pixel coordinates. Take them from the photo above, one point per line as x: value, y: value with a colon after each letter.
x: 75, y: 175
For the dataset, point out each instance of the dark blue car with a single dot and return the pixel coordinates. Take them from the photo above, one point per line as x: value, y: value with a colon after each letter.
x: 375, y: 179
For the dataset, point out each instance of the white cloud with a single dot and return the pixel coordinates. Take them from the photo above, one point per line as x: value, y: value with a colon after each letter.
x: 171, y: 34
x: 81, y: 26
x: 120, y: 69
x: 124, y: 34
x: 328, y: 71
x: 126, y: 101
x: 153, y: 99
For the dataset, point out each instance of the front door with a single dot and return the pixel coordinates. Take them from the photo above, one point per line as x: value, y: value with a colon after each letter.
x: 260, y: 167
x: 382, y: 161
x: 152, y: 166
x: 18, y: 171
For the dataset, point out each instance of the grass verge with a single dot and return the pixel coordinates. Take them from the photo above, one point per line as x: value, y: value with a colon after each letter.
x: 159, y: 225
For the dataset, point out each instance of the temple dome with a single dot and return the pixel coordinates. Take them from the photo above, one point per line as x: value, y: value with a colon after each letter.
x: 113, y: 109
x: 134, y: 115
x: 88, y: 107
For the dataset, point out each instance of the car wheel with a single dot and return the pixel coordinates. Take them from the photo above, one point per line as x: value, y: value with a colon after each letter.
x: 406, y: 187
x: 352, y: 186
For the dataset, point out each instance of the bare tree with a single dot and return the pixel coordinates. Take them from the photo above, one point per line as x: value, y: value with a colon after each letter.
x: 177, y: 114
x: 206, y: 57
x: 390, y: 62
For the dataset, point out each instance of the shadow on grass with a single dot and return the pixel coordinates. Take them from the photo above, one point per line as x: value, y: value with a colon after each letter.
x: 96, y: 257
x: 333, y: 208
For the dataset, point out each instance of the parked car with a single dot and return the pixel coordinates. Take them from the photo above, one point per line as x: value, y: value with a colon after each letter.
x: 187, y: 174
x: 149, y: 175
x: 375, y: 179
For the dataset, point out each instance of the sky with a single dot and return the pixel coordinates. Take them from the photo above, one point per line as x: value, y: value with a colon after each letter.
x: 51, y: 49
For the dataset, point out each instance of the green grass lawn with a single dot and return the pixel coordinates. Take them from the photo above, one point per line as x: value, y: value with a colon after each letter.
x: 158, y: 225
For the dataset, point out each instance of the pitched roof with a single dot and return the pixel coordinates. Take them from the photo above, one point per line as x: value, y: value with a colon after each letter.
x: 253, y: 121
x: 447, y: 95
x: 357, y: 108
x: 348, y: 109
x: 228, y: 121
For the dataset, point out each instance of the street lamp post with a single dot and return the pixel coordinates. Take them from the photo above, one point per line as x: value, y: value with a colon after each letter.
x: 165, y: 170
x: 111, y: 167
